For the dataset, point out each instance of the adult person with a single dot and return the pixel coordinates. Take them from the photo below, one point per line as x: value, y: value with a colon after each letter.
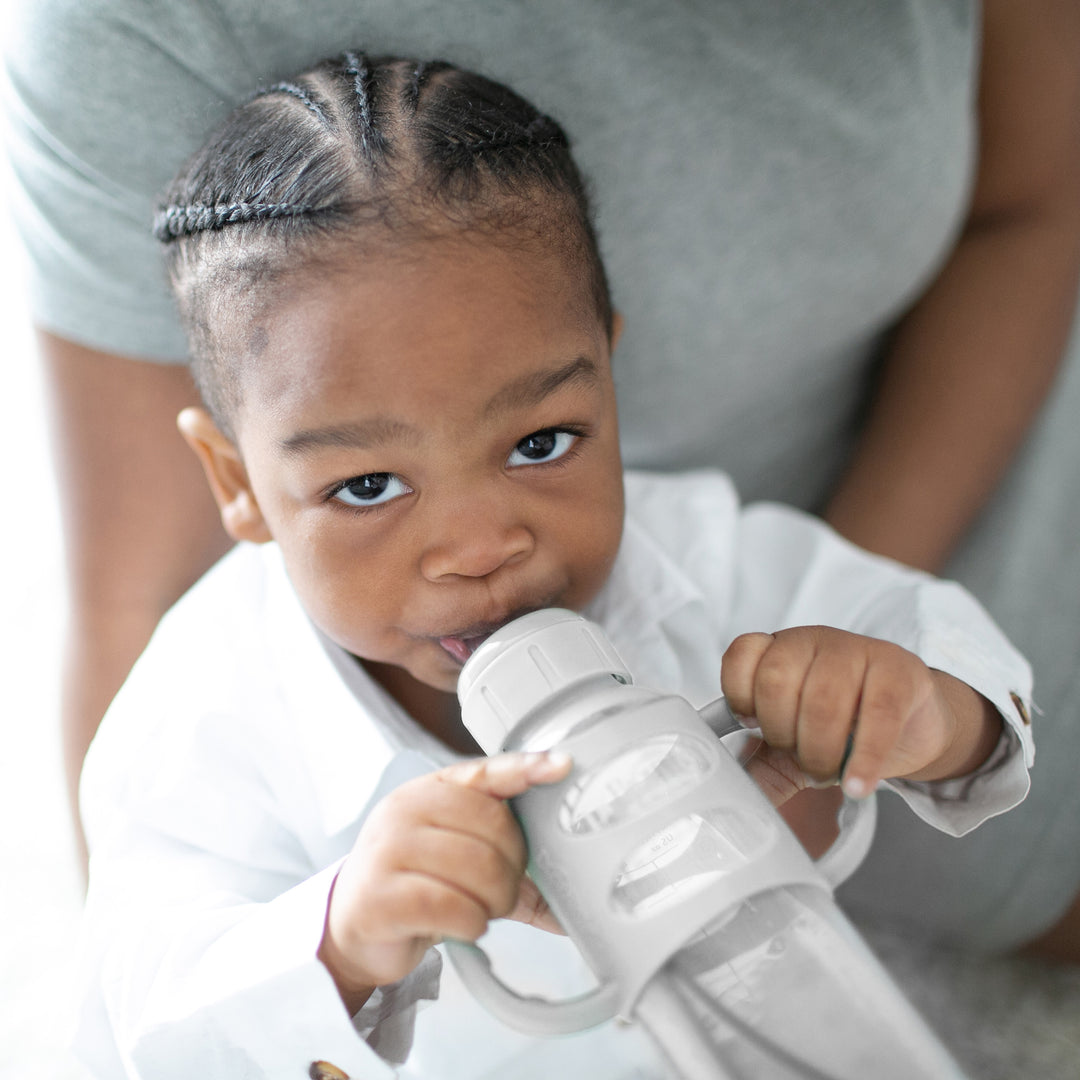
x: 851, y: 231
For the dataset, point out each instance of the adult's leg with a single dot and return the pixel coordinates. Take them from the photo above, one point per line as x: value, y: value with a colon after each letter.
x: 1062, y: 941
x: 139, y: 523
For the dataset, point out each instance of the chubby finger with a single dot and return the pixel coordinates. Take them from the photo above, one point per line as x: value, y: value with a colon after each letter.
x: 505, y: 775
x: 828, y: 706
x: 532, y: 909
x: 890, y: 695
x: 420, y: 906
x: 488, y: 872
x: 776, y: 772
x: 782, y: 663
x: 738, y: 668
x: 407, y: 814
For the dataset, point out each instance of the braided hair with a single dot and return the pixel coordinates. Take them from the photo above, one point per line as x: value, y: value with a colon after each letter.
x: 361, y: 147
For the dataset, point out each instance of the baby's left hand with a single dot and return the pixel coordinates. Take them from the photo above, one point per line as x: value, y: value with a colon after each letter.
x: 811, y: 687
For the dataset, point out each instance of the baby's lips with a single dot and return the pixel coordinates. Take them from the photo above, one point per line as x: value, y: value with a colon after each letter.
x: 461, y: 648
x: 463, y: 644
x: 456, y: 647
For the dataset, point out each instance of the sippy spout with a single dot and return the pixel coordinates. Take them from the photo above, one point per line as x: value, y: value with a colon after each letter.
x: 529, y: 663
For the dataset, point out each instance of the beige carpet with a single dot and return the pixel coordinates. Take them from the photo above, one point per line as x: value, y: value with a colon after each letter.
x: 1004, y: 1018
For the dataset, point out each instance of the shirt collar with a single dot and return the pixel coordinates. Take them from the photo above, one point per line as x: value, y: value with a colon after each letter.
x: 658, y: 620
x: 355, y: 741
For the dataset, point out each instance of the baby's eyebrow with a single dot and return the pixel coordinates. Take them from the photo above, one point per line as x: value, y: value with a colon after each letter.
x: 519, y: 393
x: 531, y: 389
x: 352, y: 436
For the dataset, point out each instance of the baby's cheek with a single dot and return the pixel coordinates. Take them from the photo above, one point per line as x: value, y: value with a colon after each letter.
x: 594, y: 555
x: 345, y: 618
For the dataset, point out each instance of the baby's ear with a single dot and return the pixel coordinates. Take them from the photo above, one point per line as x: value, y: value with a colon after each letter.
x: 225, y: 472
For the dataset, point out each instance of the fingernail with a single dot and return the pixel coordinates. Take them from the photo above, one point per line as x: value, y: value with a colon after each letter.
x: 855, y: 787
x: 549, y: 762
x: 748, y: 722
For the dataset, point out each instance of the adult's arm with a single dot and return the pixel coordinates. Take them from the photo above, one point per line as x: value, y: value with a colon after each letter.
x: 140, y: 525
x: 971, y: 364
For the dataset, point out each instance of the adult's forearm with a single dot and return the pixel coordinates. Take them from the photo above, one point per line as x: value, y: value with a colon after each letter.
x: 967, y: 373
x: 132, y: 544
x: 973, y: 361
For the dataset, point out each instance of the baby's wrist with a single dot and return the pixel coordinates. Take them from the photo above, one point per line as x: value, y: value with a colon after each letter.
x: 353, y: 987
x: 354, y: 984
x: 976, y: 727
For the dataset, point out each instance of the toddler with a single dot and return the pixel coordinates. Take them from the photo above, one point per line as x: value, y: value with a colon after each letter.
x: 402, y: 332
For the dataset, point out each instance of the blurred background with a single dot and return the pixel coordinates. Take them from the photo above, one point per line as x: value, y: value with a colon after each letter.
x: 40, y: 889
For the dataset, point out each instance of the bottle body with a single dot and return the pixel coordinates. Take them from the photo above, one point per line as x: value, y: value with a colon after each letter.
x: 785, y: 987
x: 685, y: 891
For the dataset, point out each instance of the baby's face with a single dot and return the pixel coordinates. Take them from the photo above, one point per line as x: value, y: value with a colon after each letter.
x: 432, y: 441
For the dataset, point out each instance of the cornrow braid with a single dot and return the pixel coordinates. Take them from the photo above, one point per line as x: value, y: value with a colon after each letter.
x: 172, y: 222
x: 421, y: 75
x: 540, y: 134
x: 416, y: 83
x: 481, y: 131
x: 371, y: 140
x: 301, y: 95
x: 361, y: 147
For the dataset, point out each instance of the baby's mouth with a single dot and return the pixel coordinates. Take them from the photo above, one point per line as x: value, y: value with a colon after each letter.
x: 461, y: 648
x: 469, y: 638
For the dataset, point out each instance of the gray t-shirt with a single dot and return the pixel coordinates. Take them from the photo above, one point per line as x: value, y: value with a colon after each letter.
x: 776, y: 181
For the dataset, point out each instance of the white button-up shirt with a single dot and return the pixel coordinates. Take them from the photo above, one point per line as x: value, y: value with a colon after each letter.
x: 236, y: 766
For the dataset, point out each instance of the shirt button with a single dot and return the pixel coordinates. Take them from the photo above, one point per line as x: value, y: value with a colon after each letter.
x: 323, y: 1070
x: 1021, y: 708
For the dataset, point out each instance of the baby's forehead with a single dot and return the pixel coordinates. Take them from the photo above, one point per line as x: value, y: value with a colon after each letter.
x: 260, y: 297
x: 370, y: 148
x: 380, y: 331
x: 257, y: 277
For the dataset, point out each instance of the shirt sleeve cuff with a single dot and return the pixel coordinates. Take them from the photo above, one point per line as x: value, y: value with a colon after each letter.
x: 387, y: 1020
x: 958, y: 805
x: 956, y: 637
x: 258, y: 995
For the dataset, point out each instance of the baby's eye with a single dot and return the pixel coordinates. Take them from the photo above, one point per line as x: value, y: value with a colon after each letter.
x: 371, y: 489
x: 542, y: 446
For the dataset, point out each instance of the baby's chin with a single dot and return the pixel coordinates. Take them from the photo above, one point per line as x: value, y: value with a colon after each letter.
x: 426, y: 676
x: 447, y: 682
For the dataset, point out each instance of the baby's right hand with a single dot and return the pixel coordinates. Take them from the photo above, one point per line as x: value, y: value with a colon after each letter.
x: 438, y: 857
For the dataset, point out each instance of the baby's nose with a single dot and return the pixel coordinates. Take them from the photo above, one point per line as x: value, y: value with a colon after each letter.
x: 476, y: 545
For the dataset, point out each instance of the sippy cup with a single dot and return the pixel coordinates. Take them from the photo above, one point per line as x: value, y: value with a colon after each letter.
x: 698, y: 910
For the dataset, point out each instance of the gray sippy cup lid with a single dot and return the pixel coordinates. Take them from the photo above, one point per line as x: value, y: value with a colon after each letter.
x: 523, y: 664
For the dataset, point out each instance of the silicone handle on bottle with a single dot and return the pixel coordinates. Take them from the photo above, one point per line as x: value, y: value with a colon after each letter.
x: 857, y: 818
x: 532, y: 1015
